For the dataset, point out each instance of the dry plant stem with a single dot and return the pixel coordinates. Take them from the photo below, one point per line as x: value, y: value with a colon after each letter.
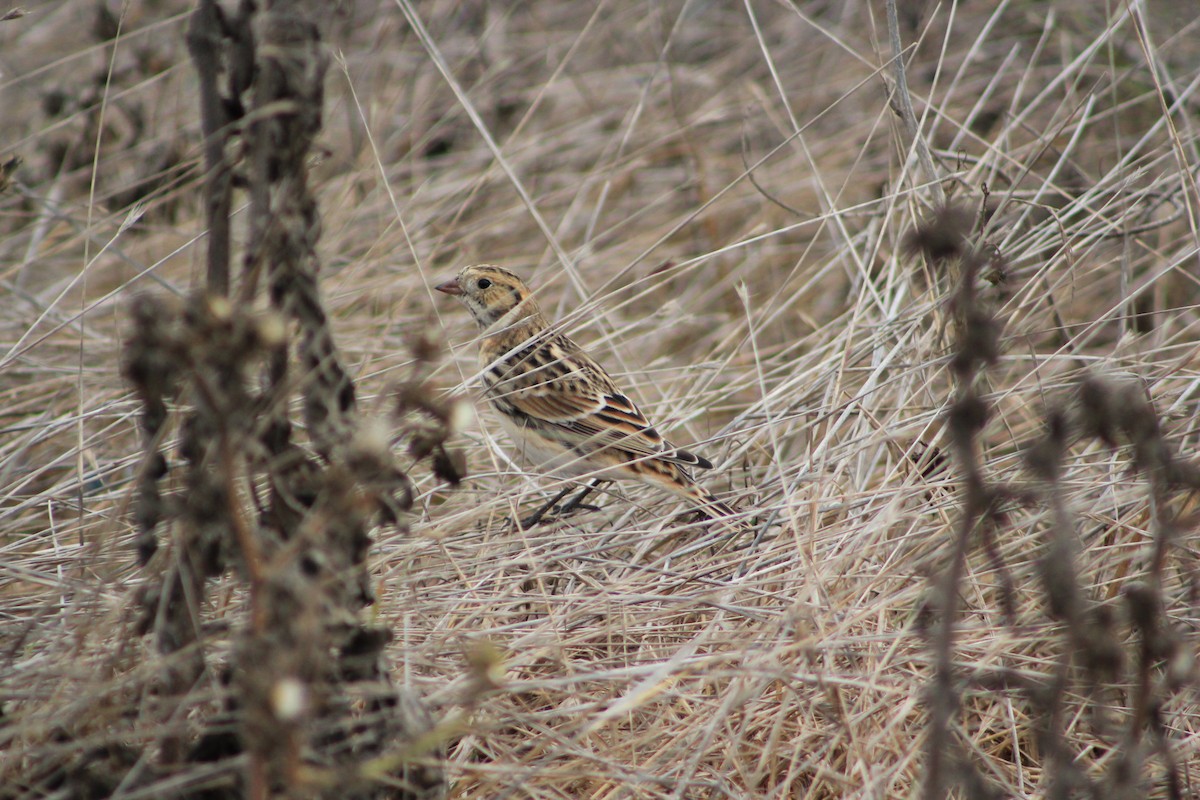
x: 1159, y: 640
x: 1066, y: 602
x: 284, y: 226
x: 303, y: 551
x: 943, y: 693
x: 1113, y: 412
x: 284, y: 221
x: 316, y: 589
x: 902, y: 102
x: 205, y: 38
x: 943, y: 240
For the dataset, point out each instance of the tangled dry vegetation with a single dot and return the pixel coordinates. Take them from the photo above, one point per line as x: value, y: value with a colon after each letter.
x: 941, y: 343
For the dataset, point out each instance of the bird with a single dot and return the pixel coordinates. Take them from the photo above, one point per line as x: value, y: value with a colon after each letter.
x: 564, y: 413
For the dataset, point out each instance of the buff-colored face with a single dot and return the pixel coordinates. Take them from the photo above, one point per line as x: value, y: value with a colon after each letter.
x: 489, y: 292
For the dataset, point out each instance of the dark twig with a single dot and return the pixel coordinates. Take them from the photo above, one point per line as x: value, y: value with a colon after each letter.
x: 943, y: 240
x: 206, y: 43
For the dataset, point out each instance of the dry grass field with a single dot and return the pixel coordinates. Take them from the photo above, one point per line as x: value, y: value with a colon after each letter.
x: 963, y: 442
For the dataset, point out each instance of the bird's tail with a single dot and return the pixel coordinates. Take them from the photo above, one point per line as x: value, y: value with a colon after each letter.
x: 675, y: 479
x: 710, y: 506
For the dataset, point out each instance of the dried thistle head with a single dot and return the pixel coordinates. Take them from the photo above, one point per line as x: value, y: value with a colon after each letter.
x: 425, y: 344
x: 1117, y: 409
x: 1045, y: 458
x: 943, y: 235
x: 428, y: 415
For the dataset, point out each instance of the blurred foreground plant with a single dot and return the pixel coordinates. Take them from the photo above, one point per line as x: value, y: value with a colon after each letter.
x: 308, y: 705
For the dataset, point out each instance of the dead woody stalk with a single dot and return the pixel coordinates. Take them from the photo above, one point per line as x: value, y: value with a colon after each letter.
x: 1118, y: 413
x: 308, y: 700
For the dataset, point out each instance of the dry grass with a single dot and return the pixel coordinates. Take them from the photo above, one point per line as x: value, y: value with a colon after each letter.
x: 715, y: 197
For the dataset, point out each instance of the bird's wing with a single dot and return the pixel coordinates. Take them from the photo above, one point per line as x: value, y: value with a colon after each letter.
x: 572, y: 398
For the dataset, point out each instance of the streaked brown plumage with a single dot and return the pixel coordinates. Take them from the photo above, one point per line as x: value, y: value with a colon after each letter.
x: 564, y: 412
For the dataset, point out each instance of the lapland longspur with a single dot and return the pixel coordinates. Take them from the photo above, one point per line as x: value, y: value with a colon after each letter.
x: 563, y: 411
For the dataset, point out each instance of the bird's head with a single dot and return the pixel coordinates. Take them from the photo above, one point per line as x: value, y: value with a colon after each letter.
x: 490, y: 293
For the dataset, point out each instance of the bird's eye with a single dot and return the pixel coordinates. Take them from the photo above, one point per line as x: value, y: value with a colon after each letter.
x: 483, y: 283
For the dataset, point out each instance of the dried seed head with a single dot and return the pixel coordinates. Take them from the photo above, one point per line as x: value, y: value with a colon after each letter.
x: 979, y: 342
x: 943, y: 235
x: 289, y: 699
x: 486, y: 663
x: 271, y: 329
x: 373, y: 438
x: 967, y: 416
x: 449, y: 465
x: 425, y: 344
x: 1044, y: 458
x: 219, y: 308
x: 461, y: 415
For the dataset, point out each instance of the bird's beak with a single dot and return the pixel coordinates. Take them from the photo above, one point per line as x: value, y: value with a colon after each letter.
x: 450, y: 287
